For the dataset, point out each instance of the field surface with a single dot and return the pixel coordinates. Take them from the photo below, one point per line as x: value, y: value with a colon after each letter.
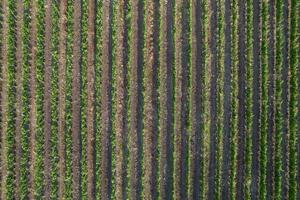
x: 148, y: 99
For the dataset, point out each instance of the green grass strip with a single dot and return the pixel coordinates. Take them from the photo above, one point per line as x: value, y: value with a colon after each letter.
x: 68, y: 137
x: 220, y: 95
x: 293, y: 100
x: 10, y: 131
x: 278, y: 115
x: 38, y: 174
x: 264, y: 104
x: 249, y: 91
x: 84, y: 99
x: 234, y: 103
x: 98, y: 96
x: 25, y: 101
x: 54, y: 101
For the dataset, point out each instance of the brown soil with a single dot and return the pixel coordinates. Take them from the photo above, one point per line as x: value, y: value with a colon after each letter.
x: 121, y: 93
x: 256, y: 101
x: 271, y: 103
x: 150, y: 106
x: 181, y: 94
x: 196, y: 167
x: 62, y: 97
x: 225, y: 183
x: 47, y: 101
x: 166, y: 115
x: 32, y: 126
x: 18, y: 122
x: 91, y: 100
x: 136, y: 101
x: 106, y: 106
x: 241, y: 135
x: 3, y: 97
x: 76, y: 86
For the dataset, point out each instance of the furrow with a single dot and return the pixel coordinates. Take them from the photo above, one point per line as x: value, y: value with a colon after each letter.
x: 285, y: 101
x: 227, y: 88
x: 62, y: 97
x: 47, y: 99
x: 91, y: 101
x: 121, y: 106
x: 249, y: 97
x: 271, y: 102
x: 166, y: 96
x: 256, y: 104
x: 18, y: 96
x: 241, y: 132
x: 213, y: 129
x: 76, y: 100
x: 181, y: 99
x: 150, y: 100
x: 4, y: 94
x: 32, y: 94
x: 106, y: 104
x: 136, y: 99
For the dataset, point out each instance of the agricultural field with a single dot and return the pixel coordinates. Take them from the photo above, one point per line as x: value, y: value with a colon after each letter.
x: 148, y: 99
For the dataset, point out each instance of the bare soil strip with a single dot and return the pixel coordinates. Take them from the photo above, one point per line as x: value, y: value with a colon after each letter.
x: 106, y: 104
x: 76, y: 86
x: 241, y: 135
x: 150, y: 95
x: 213, y: 100
x: 284, y: 97
x: 32, y: 125
x: 91, y: 100
x: 121, y: 94
x: 256, y: 100
x: 136, y: 100
x: 18, y: 122
x: 47, y: 100
x: 227, y: 127
x: 62, y: 96
x: 166, y: 105
x: 271, y: 104
x: 196, y: 140
x: 4, y: 97
x: 181, y: 94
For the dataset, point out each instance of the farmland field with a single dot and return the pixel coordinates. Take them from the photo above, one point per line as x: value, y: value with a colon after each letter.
x: 136, y: 99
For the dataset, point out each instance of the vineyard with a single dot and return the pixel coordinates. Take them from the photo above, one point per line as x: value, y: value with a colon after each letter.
x: 149, y: 99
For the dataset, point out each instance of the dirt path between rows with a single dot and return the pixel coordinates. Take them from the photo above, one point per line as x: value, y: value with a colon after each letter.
x: 121, y: 95
x: 3, y: 98
x: 136, y: 100
x: 62, y: 97
x: 91, y: 40
x: 76, y: 87
x: 18, y: 122
x: 47, y: 100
